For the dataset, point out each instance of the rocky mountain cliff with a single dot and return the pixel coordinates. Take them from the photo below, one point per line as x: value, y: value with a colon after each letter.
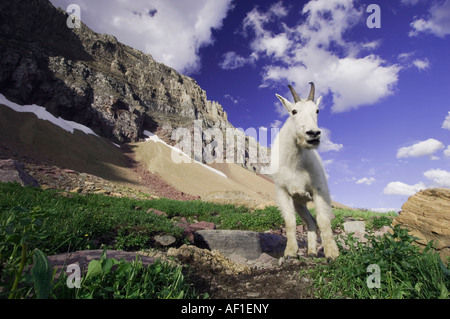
x: 93, y: 79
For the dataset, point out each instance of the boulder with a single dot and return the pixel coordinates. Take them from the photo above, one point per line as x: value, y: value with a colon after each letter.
x: 427, y: 216
x: 241, y: 245
x: 14, y: 171
x: 164, y: 240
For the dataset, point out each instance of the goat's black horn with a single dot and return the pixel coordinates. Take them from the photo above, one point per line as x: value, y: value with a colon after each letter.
x: 312, y: 93
x: 294, y: 94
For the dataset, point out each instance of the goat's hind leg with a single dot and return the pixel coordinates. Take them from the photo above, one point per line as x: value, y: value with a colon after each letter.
x: 306, y: 216
x: 286, y: 205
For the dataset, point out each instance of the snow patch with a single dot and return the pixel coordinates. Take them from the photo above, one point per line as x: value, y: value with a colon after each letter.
x: 43, y: 114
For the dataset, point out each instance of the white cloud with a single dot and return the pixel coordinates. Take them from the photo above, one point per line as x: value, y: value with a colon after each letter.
x: 231, y: 60
x: 439, y: 177
x: 371, y: 45
x: 172, y: 31
x: 406, y: 61
x: 405, y: 56
x: 421, y: 64
x: 231, y: 98
x: 446, y: 124
x: 437, y: 22
x: 326, y: 145
x: 303, y: 53
x: 276, y: 124
x: 384, y: 210
x: 399, y: 188
x: 280, y: 109
x: 425, y: 148
x: 447, y: 152
x: 410, y: 2
x: 327, y: 163
x: 367, y: 181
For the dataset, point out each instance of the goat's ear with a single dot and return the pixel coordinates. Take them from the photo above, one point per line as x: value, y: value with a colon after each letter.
x: 318, y: 101
x: 285, y: 102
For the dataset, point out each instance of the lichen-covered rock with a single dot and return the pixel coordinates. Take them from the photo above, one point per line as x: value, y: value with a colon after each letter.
x: 427, y: 216
x: 212, y: 261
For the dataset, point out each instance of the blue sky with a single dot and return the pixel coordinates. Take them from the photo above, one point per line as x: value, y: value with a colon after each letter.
x: 386, y: 106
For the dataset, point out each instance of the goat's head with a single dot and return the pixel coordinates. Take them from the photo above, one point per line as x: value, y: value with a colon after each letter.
x: 303, y: 113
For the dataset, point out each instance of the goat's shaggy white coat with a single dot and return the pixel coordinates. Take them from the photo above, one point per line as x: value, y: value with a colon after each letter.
x: 300, y: 177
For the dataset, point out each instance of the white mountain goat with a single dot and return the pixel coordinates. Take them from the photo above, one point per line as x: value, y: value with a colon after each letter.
x: 300, y: 177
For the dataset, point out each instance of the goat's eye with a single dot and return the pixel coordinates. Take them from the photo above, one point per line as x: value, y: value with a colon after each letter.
x: 294, y: 112
x: 318, y: 111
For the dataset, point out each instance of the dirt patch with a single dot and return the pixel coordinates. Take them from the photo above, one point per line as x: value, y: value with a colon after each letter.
x: 287, y: 281
x: 221, y: 278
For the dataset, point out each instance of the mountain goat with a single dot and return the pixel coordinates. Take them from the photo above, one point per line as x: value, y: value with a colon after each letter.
x: 300, y: 177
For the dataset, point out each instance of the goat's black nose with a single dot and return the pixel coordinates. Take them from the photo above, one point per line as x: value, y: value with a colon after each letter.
x: 314, y: 134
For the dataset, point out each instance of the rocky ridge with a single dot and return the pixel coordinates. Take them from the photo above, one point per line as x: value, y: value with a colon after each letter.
x: 95, y: 80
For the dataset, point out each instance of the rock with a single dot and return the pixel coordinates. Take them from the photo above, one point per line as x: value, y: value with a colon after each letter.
x: 264, y: 261
x: 14, y: 171
x: 272, y: 244
x: 380, y: 232
x: 231, y: 243
x: 82, y: 258
x: 187, y: 232
x: 427, y: 216
x: 209, y: 261
x: 156, y: 212
x: 202, y: 226
x: 164, y: 240
x: 77, y: 190
x: 357, y: 227
x: 239, y: 244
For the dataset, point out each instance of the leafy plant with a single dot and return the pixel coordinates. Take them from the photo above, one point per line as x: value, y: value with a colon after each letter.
x: 109, y: 278
x: 20, y: 231
x: 406, y: 271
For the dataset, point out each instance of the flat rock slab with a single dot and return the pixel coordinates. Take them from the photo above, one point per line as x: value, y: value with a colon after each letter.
x: 241, y: 245
x: 83, y: 258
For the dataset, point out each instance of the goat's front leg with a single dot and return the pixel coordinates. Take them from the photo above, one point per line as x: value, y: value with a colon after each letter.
x: 286, y: 206
x: 324, y: 216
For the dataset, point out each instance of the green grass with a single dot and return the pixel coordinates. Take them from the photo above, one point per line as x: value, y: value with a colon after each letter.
x: 373, y: 220
x: 405, y: 270
x: 78, y: 222
x: 36, y: 222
